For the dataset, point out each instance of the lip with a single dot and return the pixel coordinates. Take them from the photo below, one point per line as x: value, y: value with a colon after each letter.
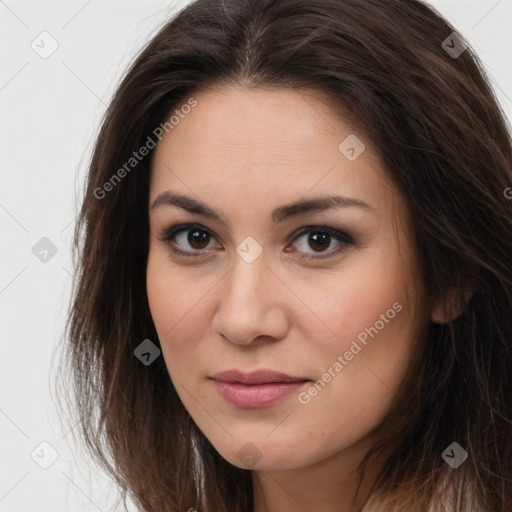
x: 260, y: 388
x: 256, y: 377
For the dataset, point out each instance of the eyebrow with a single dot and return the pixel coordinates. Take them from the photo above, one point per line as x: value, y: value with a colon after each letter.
x: 315, y: 204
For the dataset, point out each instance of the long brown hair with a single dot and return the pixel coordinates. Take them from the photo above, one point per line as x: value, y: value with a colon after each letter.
x: 393, y: 67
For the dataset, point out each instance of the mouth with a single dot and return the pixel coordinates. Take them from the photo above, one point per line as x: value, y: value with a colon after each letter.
x: 256, y: 389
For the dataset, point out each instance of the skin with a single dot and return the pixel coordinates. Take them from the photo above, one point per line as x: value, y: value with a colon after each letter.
x: 245, y: 152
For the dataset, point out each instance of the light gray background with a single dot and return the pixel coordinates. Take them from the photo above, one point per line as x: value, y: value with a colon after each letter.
x: 50, y: 110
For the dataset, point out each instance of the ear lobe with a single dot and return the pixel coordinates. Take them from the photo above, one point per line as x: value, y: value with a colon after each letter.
x: 449, y: 307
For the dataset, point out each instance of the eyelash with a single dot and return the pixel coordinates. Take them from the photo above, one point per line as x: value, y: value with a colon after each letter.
x: 172, y: 231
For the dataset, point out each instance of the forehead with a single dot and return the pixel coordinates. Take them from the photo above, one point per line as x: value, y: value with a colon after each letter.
x: 244, y: 136
x: 267, y: 120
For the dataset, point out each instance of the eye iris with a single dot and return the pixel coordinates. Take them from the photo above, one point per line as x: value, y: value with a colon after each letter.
x: 198, y: 237
x: 318, y: 237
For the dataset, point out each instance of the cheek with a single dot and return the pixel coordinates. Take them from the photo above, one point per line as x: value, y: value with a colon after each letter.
x: 178, y: 305
x: 365, y: 297
x: 371, y: 323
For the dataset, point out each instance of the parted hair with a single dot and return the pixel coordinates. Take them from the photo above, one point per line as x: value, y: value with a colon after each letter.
x: 391, y: 67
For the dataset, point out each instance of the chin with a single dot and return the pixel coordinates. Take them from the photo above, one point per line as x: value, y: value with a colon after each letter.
x: 265, y: 455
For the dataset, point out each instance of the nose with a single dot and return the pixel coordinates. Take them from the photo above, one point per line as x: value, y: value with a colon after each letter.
x: 251, y: 304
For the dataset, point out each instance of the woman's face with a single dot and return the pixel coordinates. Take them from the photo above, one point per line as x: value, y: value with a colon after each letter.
x: 282, y: 278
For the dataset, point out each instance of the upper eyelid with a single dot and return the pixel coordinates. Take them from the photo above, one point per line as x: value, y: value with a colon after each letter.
x: 319, y: 227
x: 180, y: 228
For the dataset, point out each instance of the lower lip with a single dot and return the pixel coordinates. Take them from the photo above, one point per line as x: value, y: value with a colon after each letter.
x: 256, y: 395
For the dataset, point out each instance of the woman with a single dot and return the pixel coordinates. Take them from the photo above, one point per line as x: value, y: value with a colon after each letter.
x: 294, y: 266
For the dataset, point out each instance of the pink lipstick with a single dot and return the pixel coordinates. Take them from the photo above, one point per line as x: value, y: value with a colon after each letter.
x: 257, y: 389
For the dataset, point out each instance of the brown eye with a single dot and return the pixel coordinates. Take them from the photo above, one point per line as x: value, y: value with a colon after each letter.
x: 188, y: 239
x: 198, y: 239
x: 192, y: 240
x: 319, y: 240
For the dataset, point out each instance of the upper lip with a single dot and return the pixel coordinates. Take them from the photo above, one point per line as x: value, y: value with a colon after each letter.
x: 256, y: 377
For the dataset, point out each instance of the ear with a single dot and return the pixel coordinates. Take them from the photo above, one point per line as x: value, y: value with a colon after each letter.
x: 451, y: 305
